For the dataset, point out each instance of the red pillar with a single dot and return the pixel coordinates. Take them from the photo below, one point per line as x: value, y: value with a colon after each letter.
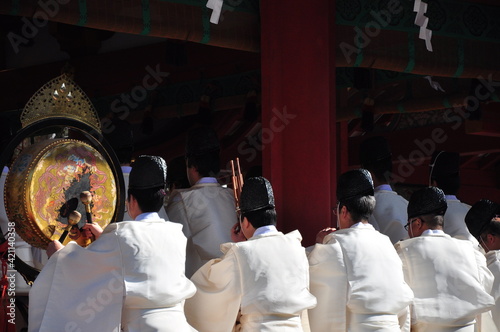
x: 298, y: 111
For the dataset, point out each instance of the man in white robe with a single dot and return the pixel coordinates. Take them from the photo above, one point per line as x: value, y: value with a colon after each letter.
x: 162, y: 213
x: 206, y: 210
x: 448, y: 276
x: 483, y: 221
x: 120, y: 135
x: 267, y: 277
x: 445, y: 174
x: 389, y: 216
x: 131, y: 278
x: 356, y: 275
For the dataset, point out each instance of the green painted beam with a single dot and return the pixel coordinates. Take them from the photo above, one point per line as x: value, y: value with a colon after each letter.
x: 448, y: 18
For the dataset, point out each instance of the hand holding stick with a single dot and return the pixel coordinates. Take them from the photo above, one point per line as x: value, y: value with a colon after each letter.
x: 73, y: 219
x: 86, y: 198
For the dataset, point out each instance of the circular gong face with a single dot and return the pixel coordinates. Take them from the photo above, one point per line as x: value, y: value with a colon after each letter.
x: 44, y: 184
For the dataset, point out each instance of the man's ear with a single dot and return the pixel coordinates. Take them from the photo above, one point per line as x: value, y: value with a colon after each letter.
x: 132, y: 200
x: 343, y: 211
x: 421, y: 221
x: 245, y: 223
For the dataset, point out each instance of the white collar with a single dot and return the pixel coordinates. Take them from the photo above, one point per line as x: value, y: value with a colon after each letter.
x: 148, y: 216
x: 126, y: 169
x: 207, y: 180
x: 433, y: 231
x: 451, y: 197
x: 265, y: 230
x: 361, y: 225
x: 384, y: 186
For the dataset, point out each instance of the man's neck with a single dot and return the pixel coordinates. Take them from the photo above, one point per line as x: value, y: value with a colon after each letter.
x: 377, y: 183
x: 193, y: 175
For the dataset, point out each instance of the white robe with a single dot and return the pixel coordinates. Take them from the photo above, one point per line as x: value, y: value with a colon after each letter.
x: 266, y: 276
x: 493, y: 261
x: 357, y: 277
x: 22, y: 249
x: 454, y: 220
x: 207, y: 213
x: 131, y: 277
x: 390, y: 214
x: 450, y: 281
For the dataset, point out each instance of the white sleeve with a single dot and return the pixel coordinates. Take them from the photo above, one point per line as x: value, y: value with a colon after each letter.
x: 328, y: 282
x: 215, y: 306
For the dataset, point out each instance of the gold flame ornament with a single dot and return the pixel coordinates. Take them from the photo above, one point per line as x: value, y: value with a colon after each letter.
x: 60, y: 97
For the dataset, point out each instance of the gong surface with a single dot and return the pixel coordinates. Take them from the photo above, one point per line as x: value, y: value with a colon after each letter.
x: 47, y: 178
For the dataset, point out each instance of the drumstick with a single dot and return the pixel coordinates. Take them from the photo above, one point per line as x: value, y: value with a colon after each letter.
x: 73, y: 219
x: 86, y: 198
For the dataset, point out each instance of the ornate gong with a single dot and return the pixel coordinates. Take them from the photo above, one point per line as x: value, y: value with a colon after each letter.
x: 49, y: 174
x: 46, y: 179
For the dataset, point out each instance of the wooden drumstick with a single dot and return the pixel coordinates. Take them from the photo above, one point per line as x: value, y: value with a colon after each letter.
x: 73, y: 219
x: 86, y: 198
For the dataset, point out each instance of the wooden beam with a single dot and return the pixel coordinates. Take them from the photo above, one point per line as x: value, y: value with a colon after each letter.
x: 119, y: 72
x: 417, y: 145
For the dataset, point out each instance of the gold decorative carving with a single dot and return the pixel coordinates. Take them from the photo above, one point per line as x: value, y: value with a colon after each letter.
x: 60, y: 97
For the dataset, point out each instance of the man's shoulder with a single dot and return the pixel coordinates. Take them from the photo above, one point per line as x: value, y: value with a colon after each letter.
x: 391, y: 197
x: 493, y: 258
x: 455, y: 205
x: 131, y: 224
x: 291, y: 235
x: 223, y: 197
x: 359, y: 236
x: 200, y: 189
x: 430, y: 241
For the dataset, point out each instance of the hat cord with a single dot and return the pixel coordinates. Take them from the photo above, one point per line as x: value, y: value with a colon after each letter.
x: 432, y: 167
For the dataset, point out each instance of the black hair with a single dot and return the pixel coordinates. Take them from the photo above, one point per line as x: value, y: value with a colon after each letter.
x: 124, y: 154
x: 207, y: 164
x: 360, y: 208
x: 177, y: 175
x: 261, y: 218
x: 149, y: 200
x: 449, y: 184
x: 380, y: 169
x: 493, y: 227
